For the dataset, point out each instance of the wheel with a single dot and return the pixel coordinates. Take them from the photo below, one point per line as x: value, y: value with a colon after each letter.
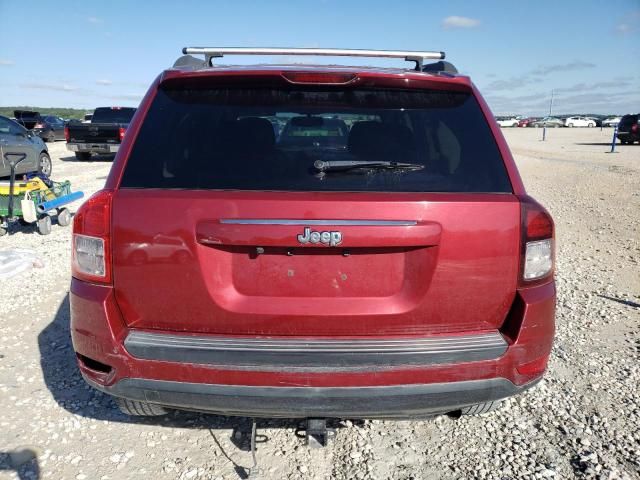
x: 44, y: 225
x: 591, y: 125
x: 44, y: 166
x: 64, y: 217
x: 570, y: 125
x: 83, y: 155
x: 139, y: 409
x: 3, y: 231
x: 481, y: 408
x: 52, y: 137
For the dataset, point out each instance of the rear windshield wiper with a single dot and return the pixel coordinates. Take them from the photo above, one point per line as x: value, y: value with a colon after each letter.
x: 345, y: 165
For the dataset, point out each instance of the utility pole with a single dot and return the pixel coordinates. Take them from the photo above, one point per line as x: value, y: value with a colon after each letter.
x: 544, y: 126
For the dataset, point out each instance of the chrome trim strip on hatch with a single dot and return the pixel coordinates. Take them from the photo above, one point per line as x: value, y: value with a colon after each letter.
x: 287, y: 221
x: 315, y: 354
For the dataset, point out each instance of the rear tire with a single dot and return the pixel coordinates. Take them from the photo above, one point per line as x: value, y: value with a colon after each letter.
x: 481, y: 408
x: 135, y: 408
x: 83, y: 155
x: 44, y: 225
x: 64, y: 217
x: 44, y: 164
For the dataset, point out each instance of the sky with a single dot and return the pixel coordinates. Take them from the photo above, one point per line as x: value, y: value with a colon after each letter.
x: 85, y: 54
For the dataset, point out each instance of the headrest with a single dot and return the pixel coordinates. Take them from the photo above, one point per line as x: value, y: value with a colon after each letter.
x: 255, y: 134
x: 380, y: 140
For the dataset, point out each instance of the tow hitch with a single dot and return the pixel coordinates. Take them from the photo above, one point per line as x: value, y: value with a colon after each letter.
x: 316, y: 433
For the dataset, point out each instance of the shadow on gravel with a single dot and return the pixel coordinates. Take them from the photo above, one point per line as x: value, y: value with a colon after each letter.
x: 94, y: 158
x: 63, y: 379
x: 23, y: 462
x: 628, y: 303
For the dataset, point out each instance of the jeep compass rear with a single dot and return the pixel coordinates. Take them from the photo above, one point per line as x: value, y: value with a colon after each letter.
x: 312, y: 241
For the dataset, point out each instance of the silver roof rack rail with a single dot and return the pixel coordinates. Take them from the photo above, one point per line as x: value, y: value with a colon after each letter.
x: 218, y: 52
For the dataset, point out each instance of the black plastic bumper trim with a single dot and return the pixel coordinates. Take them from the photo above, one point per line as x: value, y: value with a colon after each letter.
x: 397, y: 401
x: 315, y: 354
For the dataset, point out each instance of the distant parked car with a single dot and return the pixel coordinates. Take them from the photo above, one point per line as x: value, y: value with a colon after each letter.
x: 611, y: 122
x: 579, y: 122
x: 549, y: 122
x: 629, y: 129
x: 507, y: 121
x: 598, y: 120
x: 48, y: 127
x: 14, y: 138
x: 525, y: 122
x: 102, y: 135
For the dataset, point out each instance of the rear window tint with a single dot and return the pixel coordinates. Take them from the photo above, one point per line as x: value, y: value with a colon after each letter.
x: 628, y: 120
x: 113, y: 115
x: 269, y: 139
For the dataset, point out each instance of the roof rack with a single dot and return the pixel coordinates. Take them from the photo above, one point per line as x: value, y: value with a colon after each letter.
x: 217, y: 52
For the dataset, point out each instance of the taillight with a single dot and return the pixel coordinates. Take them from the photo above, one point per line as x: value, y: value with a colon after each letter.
x: 319, y: 78
x: 634, y: 129
x: 38, y: 125
x: 122, y: 132
x: 91, y: 249
x: 66, y: 134
x: 537, y: 249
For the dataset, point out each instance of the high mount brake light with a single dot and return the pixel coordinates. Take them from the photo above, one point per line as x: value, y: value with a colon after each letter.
x: 537, y: 248
x: 319, y: 78
x: 91, y: 249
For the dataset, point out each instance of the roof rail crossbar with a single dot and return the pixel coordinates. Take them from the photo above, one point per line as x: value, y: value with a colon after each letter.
x: 410, y: 56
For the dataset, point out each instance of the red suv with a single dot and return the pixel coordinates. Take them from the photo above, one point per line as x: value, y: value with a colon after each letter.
x: 312, y: 242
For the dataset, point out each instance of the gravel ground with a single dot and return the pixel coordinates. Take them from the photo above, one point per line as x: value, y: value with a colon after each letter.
x: 582, y: 421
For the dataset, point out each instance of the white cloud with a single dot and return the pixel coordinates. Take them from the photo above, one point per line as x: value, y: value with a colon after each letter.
x: 455, y: 21
x: 103, y: 81
x: 6, y: 63
x: 94, y: 20
x: 564, y: 67
x: 51, y: 86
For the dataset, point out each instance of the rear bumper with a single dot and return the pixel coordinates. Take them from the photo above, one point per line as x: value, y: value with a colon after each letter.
x: 93, y: 147
x: 397, y: 401
x: 400, y: 379
x: 627, y: 136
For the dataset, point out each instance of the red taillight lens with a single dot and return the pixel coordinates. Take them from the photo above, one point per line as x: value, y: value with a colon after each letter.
x: 538, y: 223
x: 66, y: 134
x: 319, y: 78
x: 91, y: 249
x: 634, y: 129
x: 122, y: 132
x: 537, y: 246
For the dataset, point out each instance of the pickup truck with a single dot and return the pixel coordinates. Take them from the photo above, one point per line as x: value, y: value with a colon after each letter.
x: 102, y: 135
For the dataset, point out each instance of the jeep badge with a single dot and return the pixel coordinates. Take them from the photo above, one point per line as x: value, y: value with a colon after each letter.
x: 328, y: 238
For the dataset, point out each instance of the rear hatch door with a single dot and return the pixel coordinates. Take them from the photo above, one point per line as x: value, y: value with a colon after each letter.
x: 223, y: 225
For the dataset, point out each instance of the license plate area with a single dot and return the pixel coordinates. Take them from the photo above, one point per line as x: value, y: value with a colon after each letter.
x: 325, y: 272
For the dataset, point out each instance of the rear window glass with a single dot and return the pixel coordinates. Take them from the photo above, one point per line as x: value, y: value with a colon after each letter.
x: 113, y: 115
x: 628, y: 120
x: 272, y: 139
